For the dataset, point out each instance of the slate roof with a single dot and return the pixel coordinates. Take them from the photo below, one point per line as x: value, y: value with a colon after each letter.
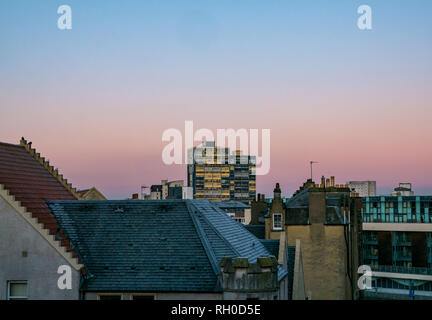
x: 154, y: 246
x: 297, y: 209
x: 230, y: 204
x: 257, y: 230
x: 272, y: 246
x: 31, y: 184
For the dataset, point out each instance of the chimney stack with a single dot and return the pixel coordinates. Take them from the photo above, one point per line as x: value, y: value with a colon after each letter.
x: 277, y: 192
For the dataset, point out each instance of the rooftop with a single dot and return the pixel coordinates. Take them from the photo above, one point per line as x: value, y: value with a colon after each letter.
x: 31, y: 180
x: 162, y: 245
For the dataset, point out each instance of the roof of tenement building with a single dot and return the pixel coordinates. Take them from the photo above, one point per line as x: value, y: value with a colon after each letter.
x: 230, y: 204
x: 30, y: 180
x: 272, y: 246
x: 258, y: 230
x: 154, y: 246
x: 298, y: 207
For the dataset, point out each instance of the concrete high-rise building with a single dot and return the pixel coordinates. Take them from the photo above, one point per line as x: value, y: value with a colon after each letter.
x: 363, y: 188
x: 218, y: 175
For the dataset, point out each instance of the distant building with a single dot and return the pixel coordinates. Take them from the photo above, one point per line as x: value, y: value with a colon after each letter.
x: 218, y: 175
x: 91, y: 194
x: 167, y: 190
x: 397, y: 245
x: 187, y: 193
x: 363, y: 188
x: 237, y: 210
x: 404, y: 189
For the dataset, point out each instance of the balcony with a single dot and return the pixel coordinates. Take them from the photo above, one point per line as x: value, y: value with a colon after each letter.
x: 406, y: 270
x: 395, y: 218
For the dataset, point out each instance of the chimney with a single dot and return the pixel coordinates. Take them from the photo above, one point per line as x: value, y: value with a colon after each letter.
x: 327, y: 185
x: 263, y: 197
x: 322, y: 182
x: 332, y: 181
x: 135, y: 196
x: 277, y: 192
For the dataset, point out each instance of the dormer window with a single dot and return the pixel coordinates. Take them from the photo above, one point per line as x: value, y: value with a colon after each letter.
x: 277, y: 221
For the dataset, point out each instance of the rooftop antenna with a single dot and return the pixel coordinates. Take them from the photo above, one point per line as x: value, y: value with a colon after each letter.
x: 311, y: 163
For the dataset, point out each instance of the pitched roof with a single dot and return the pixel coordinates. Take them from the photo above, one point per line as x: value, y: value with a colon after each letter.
x: 161, y: 245
x: 272, y: 246
x: 297, y: 208
x: 91, y: 194
x: 30, y: 180
x: 258, y: 230
x: 230, y: 204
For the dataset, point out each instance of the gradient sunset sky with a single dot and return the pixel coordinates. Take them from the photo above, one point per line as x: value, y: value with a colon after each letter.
x: 95, y: 100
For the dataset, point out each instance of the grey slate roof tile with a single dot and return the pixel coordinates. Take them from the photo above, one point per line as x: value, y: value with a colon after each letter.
x: 154, y: 246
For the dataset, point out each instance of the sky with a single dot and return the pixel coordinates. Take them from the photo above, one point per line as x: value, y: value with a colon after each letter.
x: 96, y: 99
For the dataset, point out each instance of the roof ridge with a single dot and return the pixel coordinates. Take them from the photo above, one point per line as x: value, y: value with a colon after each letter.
x: 217, y: 231
x: 39, y: 227
x: 53, y: 171
x: 203, y: 237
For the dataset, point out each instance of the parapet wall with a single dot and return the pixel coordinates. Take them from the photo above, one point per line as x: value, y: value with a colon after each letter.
x: 244, y: 280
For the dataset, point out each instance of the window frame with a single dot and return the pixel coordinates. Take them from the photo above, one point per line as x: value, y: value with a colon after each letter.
x: 142, y: 295
x: 109, y: 294
x: 11, y: 282
x: 273, y: 222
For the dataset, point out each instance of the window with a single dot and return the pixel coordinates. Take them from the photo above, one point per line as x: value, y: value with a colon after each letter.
x: 110, y: 297
x: 17, y: 290
x: 142, y: 297
x: 277, y: 221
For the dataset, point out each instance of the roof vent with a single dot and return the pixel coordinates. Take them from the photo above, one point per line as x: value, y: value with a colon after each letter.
x: 119, y: 210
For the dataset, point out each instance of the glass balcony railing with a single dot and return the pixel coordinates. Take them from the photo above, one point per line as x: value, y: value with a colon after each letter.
x: 397, y: 269
x: 395, y: 218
